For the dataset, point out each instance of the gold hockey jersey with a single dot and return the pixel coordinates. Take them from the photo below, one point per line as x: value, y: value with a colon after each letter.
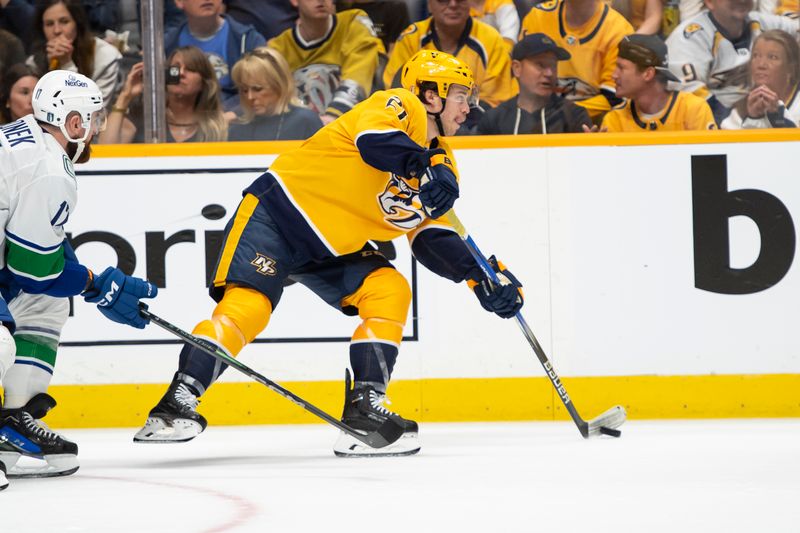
x: 586, y: 77
x: 684, y: 111
x: 337, y: 71
x: 326, y: 196
x: 481, y: 47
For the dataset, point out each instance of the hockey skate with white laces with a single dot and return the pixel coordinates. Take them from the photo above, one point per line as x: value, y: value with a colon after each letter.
x: 23, y: 436
x: 364, y: 411
x: 175, y: 418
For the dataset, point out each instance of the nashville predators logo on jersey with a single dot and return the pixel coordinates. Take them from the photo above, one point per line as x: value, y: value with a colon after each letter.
x: 264, y: 265
x: 400, y: 203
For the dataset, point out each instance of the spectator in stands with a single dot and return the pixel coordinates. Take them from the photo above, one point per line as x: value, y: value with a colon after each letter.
x: 774, y: 73
x: 389, y: 17
x: 590, y: 31
x: 62, y: 40
x: 710, y: 52
x: 194, y: 109
x: 270, y: 18
x: 12, y: 51
x: 16, y: 92
x: 499, y: 14
x: 641, y: 77
x: 16, y: 16
x: 333, y: 56
x: 451, y: 29
x: 537, y: 108
x: 644, y: 15
x: 272, y: 111
x: 220, y: 37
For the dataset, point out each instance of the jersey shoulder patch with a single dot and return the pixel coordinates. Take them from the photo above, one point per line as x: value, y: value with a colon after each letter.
x: 691, y: 29
x: 364, y: 19
x: 396, y: 104
x: 408, y: 31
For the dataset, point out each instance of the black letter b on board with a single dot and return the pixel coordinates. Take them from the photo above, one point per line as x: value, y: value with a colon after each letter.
x: 712, y: 206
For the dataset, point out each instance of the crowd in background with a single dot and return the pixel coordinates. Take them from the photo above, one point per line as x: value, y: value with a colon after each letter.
x: 281, y: 69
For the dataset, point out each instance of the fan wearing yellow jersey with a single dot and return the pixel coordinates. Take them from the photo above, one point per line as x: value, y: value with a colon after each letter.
x: 641, y: 77
x: 334, y: 56
x: 378, y: 172
x: 590, y: 31
x: 450, y: 29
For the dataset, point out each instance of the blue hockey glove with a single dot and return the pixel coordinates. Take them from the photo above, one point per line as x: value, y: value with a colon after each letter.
x: 438, y: 189
x: 117, y: 296
x: 506, y: 299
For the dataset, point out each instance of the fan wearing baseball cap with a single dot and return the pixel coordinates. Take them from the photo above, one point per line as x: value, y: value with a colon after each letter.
x: 642, y: 78
x: 538, y: 108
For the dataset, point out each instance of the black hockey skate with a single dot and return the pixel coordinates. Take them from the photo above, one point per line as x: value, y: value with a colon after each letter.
x: 22, y: 434
x: 175, y: 418
x: 364, y: 411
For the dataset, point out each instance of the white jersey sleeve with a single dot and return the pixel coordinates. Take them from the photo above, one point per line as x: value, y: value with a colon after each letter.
x: 38, y: 193
x: 690, y: 53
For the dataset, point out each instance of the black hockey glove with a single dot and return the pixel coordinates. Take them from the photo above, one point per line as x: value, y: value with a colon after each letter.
x: 506, y: 299
x: 438, y: 189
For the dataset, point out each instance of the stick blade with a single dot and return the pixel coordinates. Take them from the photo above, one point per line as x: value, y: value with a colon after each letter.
x: 608, y: 422
x: 388, y: 433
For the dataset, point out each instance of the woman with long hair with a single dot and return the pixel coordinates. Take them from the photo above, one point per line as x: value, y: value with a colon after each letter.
x: 62, y: 40
x: 193, y: 107
x: 267, y: 95
x: 774, y: 74
x: 16, y: 92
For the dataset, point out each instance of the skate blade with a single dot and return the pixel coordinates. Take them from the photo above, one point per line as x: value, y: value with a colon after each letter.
x: 157, y: 430
x: 54, y: 465
x: 347, y: 446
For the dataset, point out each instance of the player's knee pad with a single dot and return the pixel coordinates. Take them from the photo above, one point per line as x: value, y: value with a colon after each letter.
x: 385, y: 294
x: 239, y: 317
x: 8, y: 349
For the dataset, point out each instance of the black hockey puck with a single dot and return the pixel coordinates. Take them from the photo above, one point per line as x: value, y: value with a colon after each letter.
x: 610, y: 432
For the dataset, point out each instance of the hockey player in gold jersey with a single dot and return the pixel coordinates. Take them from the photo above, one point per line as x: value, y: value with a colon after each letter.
x: 334, y: 56
x: 590, y: 31
x: 641, y: 77
x: 378, y: 172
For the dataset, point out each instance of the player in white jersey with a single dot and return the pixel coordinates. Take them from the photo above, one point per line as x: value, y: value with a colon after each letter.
x: 710, y: 52
x: 39, y: 270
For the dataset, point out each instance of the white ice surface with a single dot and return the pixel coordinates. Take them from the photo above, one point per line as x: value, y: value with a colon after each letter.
x: 666, y: 476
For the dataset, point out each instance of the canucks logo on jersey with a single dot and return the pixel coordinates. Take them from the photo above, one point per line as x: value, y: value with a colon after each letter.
x: 400, y: 202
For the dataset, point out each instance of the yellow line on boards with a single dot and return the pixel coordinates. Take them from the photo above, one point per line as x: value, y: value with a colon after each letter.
x: 452, y: 400
x: 466, y: 143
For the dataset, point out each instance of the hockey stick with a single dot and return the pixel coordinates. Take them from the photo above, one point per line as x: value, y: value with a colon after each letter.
x: 385, y: 435
x: 604, y: 424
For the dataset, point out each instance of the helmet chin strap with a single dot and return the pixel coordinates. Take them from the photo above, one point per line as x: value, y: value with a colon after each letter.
x: 437, y: 117
x: 80, y: 142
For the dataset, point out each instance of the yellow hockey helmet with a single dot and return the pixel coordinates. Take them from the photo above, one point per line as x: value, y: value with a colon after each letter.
x: 438, y: 67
